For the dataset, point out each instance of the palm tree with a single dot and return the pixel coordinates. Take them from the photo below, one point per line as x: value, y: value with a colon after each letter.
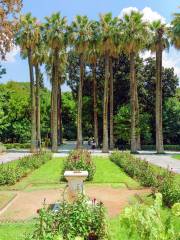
x: 55, y: 38
x: 79, y: 36
x: 175, y: 31
x: 134, y: 39
x: 92, y: 58
x: 27, y: 38
x: 158, y: 43
x: 110, y: 36
x: 38, y: 58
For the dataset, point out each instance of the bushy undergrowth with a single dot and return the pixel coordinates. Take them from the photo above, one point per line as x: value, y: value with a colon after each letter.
x: 147, y: 223
x: 10, y: 173
x: 80, y: 160
x: 80, y: 220
x: 149, y: 175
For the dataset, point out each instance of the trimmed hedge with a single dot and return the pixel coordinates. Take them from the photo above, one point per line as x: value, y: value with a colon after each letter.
x: 12, y: 172
x: 150, y: 147
x: 79, y: 160
x: 149, y: 175
x: 17, y: 145
x: 166, y: 147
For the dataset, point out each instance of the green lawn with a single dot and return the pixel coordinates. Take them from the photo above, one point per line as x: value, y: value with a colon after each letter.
x: 48, y: 175
x: 108, y: 172
x: 177, y: 157
x: 15, y: 231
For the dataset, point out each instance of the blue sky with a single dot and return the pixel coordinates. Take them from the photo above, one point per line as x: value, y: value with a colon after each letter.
x: 17, y: 68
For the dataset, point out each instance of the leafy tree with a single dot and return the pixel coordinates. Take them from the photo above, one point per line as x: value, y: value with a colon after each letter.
x: 2, y: 71
x: 69, y: 116
x: 171, y: 115
x: 123, y: 125
x: 8, y: 13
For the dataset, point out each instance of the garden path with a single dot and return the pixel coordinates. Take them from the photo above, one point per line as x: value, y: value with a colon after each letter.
x: 11, y: 156
x: 25, y: 205
x: 162, y: 160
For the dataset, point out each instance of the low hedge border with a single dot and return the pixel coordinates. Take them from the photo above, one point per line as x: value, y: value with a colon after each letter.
x: 150, y: 147
x: 12, y: 172
x: 17, y: 145
x: 159, y: 179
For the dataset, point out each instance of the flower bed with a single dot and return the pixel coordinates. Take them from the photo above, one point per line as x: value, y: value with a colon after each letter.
x: 12, y: 172
x: 149, y: 175
x: 80, y: 160
x: 80, y: 220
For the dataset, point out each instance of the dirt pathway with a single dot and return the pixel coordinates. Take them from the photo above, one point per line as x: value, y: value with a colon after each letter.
x: 26, y: 203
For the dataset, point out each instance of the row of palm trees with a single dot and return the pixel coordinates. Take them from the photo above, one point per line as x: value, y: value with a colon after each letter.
x: 50, y: 42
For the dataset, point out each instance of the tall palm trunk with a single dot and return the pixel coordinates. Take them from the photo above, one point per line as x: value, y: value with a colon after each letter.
x: 133, y: 102
x: 54, y: 102
x: 59, y: 114
x: 138, y: 133
x: 38, y: 106
x: 105, y: 105
x: 159, y: 131
x: 111, y: 98
x: 95, y: 104
x: 79, y: 116
x: 33, y: 103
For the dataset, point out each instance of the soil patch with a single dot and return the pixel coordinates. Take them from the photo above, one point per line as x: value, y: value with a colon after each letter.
x: 26, y: 203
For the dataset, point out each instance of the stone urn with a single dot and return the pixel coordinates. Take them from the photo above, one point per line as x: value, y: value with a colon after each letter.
x: 75, y: 181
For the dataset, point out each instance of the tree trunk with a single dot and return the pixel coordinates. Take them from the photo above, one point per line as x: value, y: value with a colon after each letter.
x: 138, y: 132
x: 38, y: 107
x: 33, y: 103
x: 111, y: 98
x: 105, y: 106
x: 95, y: 105
x: 59, y: 115
x: 79, y: 115
x: 133, y: 102
x: 54, y: 102
x: 159, y: 131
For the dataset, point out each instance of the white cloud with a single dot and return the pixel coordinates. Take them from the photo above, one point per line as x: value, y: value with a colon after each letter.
x: 11, y: 56
x: 127, y: 11
x: 170, y: 59
x: 148, y: 14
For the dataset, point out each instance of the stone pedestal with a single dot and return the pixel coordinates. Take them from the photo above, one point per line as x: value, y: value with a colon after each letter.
x: 75, y: 183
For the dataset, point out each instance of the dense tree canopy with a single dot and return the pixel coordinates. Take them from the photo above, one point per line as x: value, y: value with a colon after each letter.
x: 8, y: 11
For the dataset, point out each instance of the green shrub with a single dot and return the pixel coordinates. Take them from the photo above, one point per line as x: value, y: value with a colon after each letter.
x: 12, y: 172
x: 80, y: 160
x: 147, y: 223
x: 148, y: 175
x: 80, y: 220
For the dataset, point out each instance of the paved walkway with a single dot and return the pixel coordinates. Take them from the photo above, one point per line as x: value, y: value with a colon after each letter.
x: 162, y: 160
x: 11, y: 156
